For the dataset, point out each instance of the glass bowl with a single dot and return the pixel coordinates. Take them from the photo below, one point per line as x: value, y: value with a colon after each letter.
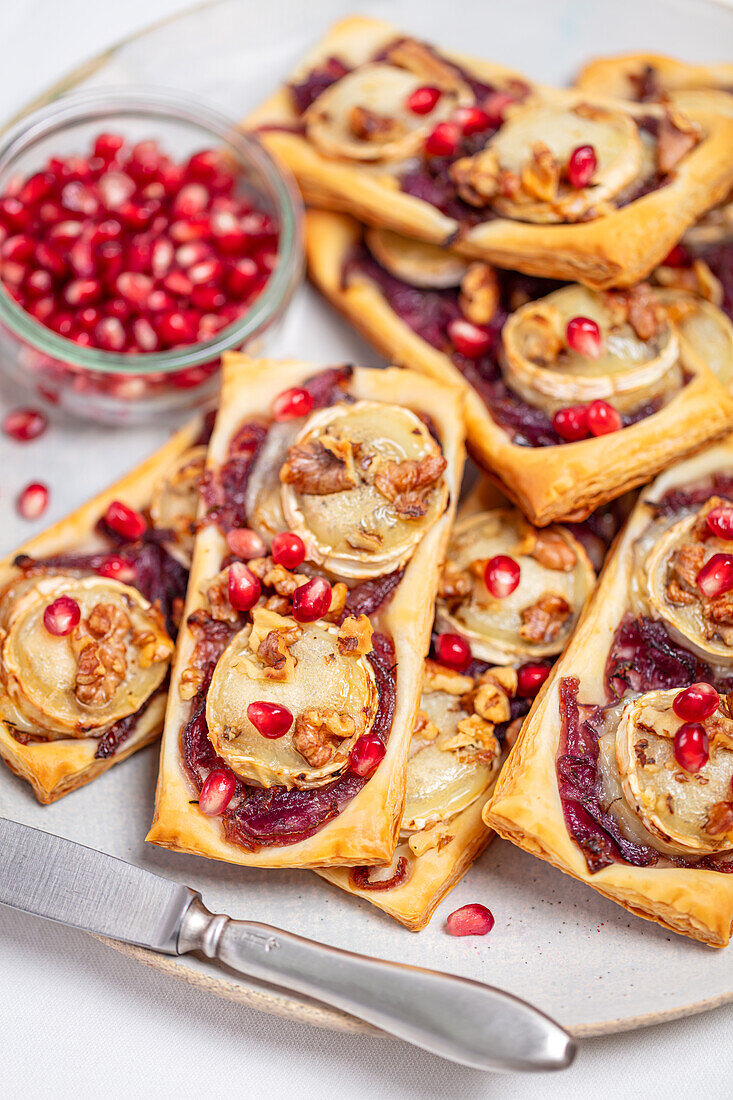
x: 132, y: 388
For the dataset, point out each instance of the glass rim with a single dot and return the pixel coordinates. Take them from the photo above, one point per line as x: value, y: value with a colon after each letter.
x: 101, y: 104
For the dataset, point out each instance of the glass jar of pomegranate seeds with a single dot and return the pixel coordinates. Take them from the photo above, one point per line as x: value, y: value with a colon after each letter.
x: 140, y: 237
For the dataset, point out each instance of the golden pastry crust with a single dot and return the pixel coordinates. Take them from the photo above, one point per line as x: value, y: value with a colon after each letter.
x: 54, y: 768
x: 434, y: 874
x: 619, y: 248
x: 619, y: 76
x: 548, y: 483
x: 525, y: 807
x: 366, y: 830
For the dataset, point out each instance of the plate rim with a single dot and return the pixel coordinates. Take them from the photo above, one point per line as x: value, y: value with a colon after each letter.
x: 286, y: 1005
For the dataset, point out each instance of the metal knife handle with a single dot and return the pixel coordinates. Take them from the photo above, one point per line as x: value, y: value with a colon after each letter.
x: 453, y: 1017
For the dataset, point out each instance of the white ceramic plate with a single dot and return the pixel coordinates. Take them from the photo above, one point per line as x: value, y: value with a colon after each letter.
x: 581, y: 958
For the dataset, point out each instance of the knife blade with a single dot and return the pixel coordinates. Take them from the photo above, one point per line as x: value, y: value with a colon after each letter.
x: 456, y: 1018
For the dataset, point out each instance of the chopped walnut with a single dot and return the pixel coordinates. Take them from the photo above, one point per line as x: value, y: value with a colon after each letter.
x: 455, y: 583
x: 719, y: 728
x: 98, y: 643
x: 503, y: 675
x: 317, y: 734
x: 408, y: 484
x: 427, y: 840
x: 423, y: 728
x: 439, y: 678
x: 551, y: 550
x: 474, y: 733
x: 685, y: 564
x: 271, y: 638
x: 368, y: 125
x: 276, y: 576
x: 479, y: 296
x: 492, y: 703
x: 541, y: 175
x: 478, y: 179
x: 718, y: 617
x: 355, y: 636
x: 191, y: 682
x: 720, y: 819
x: 542, y: 333
x: 638, y: 306
x: 425, y: 63
x: 152, y: 641
x: 676, y: 136
x: 339, y: 592
x: 319, y: 470
x: 216, y: 592
x: 543, y: 620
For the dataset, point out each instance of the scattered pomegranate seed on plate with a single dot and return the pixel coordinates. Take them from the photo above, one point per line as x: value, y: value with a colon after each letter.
x: 25, y: 424
x: 216, y: 793
x: 33, y: 500
x: 270, y: 719
x: 61, y: 616
x: 470, y: 920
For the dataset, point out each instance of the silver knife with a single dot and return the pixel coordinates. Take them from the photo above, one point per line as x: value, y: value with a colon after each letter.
x: 456, y: 1018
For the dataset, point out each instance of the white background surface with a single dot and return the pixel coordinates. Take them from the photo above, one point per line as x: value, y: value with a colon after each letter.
x: 76, y: 1019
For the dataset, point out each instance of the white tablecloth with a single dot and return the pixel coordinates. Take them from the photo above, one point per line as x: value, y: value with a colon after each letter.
x: 79, y: 1020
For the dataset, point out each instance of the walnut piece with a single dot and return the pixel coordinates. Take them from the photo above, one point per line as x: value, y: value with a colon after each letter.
x: 439, y: 678
x: 720, y: 819
x: 479, y: 295
x: 191, y: 682
x: 503, y: 675
x: 424, y: 728
x: 368, y: 125
x: 541, y: 175
x: 355, y: 636
x: 408, y: 484
x: 317, y: 734
x: 478, y: 179
x: 552, y: 551
x: 474, y: 733
x: 216, y: 592
x: 455, y: 583
x: 492, y: 703
x: 319, y: 470
x: 425, y: 63
x: 543, y: 336
x: 98, y: 643
x: 676, y: 136
x: 271, y: 638
x: 276, y: 576
x: 636, y: 306
x: 543, y: 620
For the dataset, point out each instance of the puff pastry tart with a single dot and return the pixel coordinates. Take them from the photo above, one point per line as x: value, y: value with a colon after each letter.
x: 490, y: 656
x: 464, y: 153
x: 622, y: 774
x: 88, y: 610
x: 573, y: 396
x: 326, y: 507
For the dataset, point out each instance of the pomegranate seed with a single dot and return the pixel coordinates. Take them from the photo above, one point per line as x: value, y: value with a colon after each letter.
x: 107, y: 146
x: 691, y: 747
x: 176, y: 328
x: 472, y: 120
x: 38, y: 283
x: 115, y: 189
x: 602, y: 418
x: 194, y: 253
x: 25, y: 424
x: 18, y: 248
x: 720, y: 522
x: 209, y: 298
x: 677, y: 257
x: 134, y: 287
x: 14, y: 213
x: 270, y: 719
x: 311, y: 600
x: 501, y: 576
x: 50, y: 259
x: 367, y: 754
x: 423, y: 100
x: 241, y: 277
x: 82, y: 292
x: 193, y: 198
x: 61, y: 616
x: 178, y: 283
x: 145, y: 335
x: 530, y: 679
x: 245, y: 543
x: 209, y: 271
x: 243, y: 587
x: 584, y: 336
x: 204, y: 165
x: 288, y: 549
x: 110, y: 334
x: 716, y: 575
x: 443, y: 141
x: 117, y: 568
x: 216, y: 793
x: 41, y: 309
x: 696, y: 703
x: 468, y: 339
x: 33, y: 501
x: 582, y: 166
x: 194, y: 228
x: 571, y: 423
x: 470, y: 920
x: 291, y: 404
x: 36, y: 188
x: 125, y: 521
x: 453, y: 650
x: 159, y: 300
x: 62, y: 322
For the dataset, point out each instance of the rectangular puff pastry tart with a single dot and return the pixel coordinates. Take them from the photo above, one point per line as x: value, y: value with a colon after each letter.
x: 88, y: 611
x: 495, y: 637
x: 326, y: 509
x: 461, y: 152
x: 573, y: 396
x: 622, y: 775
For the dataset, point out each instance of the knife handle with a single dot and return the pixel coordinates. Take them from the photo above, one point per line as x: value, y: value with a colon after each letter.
x: 456, y: 1018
